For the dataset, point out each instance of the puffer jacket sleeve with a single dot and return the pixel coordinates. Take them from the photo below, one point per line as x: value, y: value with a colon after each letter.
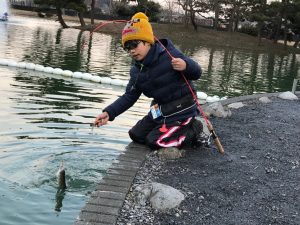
x: 125, y: 101
x: 193, y: 70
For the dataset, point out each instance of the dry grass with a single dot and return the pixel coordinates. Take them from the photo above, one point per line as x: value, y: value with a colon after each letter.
x: 189, y: 37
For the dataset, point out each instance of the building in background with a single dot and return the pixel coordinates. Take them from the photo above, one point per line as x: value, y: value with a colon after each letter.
x: 28, y: 3
x: 104, y: 5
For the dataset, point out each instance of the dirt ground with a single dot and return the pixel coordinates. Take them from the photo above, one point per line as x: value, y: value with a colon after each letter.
x: 255, y: 182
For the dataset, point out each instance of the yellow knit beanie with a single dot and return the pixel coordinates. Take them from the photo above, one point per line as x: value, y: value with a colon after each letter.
x: 138, y: 28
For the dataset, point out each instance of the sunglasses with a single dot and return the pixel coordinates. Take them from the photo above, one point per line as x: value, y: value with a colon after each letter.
x: 130, y: 45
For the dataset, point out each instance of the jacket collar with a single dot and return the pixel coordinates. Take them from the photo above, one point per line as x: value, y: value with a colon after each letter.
x: 154, y: 52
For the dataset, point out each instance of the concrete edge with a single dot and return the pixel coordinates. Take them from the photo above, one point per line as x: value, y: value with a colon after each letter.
x: 104, y: 205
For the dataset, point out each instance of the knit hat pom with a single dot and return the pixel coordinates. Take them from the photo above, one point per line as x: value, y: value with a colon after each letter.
x: 138, y: 28
x: 140, y: 15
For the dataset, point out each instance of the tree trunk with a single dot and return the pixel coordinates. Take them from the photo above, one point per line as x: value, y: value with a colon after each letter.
x: 259, y: 28
x: 217, y: 12
x: 237, y: 19
x: 186, y: 19
x: 92, y: 11
x: 80, y: 16
x: 60, y: 18
x: 231, y: 20
x: 193, y: 20
x: 285, y: 23
x: 278, y: 27
x: 297, y: 41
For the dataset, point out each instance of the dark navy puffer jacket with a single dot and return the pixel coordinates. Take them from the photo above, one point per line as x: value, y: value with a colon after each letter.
x: 156, y: 78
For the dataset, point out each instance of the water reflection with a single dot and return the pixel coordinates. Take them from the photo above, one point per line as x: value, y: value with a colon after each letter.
x: 233, y: 73
x: 226, y: 72
x: 45, y: 118
x: 59, y: 197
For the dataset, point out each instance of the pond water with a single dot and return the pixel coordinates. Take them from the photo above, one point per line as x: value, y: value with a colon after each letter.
x: 45, y: 118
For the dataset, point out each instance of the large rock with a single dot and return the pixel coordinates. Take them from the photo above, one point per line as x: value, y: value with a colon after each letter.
x: 216, y: 109
x: 162, y: 197
x: 288, y: 96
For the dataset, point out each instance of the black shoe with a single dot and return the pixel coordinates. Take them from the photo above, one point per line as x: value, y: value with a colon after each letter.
x: 202, y: 139
x: 199, y: 138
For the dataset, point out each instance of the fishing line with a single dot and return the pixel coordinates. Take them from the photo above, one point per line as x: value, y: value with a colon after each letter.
x: 102, y: 24
x: 209, y: 125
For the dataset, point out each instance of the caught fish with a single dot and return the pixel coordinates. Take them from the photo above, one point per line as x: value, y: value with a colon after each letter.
x: 61, y: 177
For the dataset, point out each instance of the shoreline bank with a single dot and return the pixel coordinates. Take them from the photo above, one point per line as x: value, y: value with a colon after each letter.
x: 186, y: 36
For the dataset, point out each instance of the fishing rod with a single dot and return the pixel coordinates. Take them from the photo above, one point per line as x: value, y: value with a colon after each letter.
x: 208, y: 123
x: 102, y: 24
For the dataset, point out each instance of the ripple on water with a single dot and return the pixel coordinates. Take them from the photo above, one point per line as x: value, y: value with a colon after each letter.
x: 42, y: 127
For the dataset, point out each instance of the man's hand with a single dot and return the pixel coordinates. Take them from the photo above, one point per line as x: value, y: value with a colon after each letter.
x: 102, y: 119
x: 178, y: 64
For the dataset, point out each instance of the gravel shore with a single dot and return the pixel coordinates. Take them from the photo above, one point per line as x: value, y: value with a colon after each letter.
x: 256, y: 181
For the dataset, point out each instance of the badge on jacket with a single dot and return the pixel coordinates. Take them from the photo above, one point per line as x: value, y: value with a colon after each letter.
x: 155, y: 111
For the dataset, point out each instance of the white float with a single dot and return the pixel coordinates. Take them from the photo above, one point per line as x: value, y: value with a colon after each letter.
x: 77, y: 75
x: 30, y: 66
x: 57, y: 71
x: 39, y: 68
x: 48, y: 69
x: 67, y: 73
x: 105, y: 80
x: 201, y: 95
x: 211, y: 99
x: 96, y: 79
x: 124, y: 83
x: 3, y: 62
x: 87, y: 76
x: 116, y: 82
x: 21, y: 65
x: 12, y: 63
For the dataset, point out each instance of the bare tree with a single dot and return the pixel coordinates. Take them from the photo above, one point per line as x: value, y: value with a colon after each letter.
x: 92, y: 11
x: 193, y: 8
x: 170, y: 10
x: 216, y: 8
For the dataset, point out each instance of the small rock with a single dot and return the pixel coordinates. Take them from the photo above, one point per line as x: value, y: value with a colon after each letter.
x: 264, y: 100
x: 201, y: 197
x: 236, y: 105
x: 170, y: 153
